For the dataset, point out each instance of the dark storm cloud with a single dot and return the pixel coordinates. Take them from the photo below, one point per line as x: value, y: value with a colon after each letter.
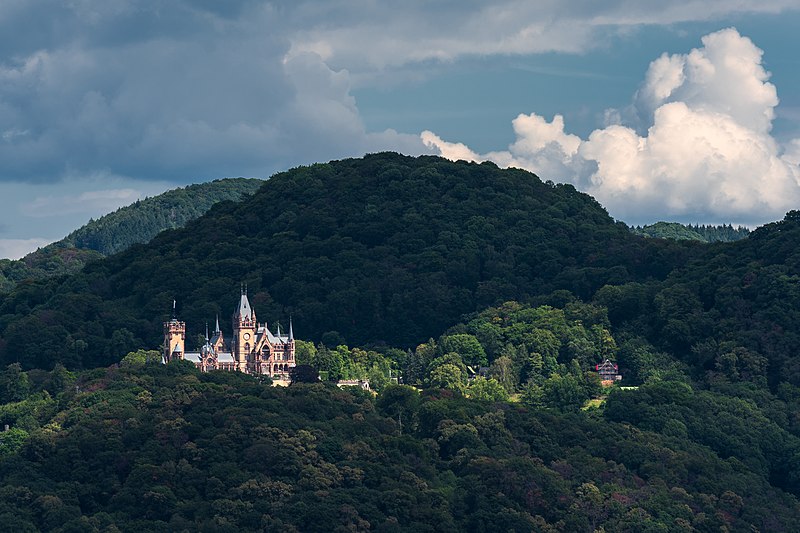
x: 194, y: 89
x: 166, y: 90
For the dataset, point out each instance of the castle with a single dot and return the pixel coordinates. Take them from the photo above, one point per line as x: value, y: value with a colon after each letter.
x: 253, y: 348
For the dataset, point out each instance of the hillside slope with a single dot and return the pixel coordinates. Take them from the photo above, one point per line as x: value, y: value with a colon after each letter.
x: 165, y: 448
x: 385, y: 248
x: 144, y: 219
x: 114, y: 232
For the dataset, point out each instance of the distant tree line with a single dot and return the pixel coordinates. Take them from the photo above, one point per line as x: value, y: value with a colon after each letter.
x: 689, y: 232
x: 117, y: 231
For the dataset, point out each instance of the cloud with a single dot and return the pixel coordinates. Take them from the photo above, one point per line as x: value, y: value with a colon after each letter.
x: 189, y: 90
x: 176, y: 91
x: 694, y: 145
x: 195, y: 89
x: 377, y: 37
x: 102, y: 201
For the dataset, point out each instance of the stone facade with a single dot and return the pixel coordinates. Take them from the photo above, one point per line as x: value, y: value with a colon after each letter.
x: 253, y: 348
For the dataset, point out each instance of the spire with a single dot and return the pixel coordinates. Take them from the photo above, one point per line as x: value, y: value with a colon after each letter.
x: 206, y: 332
x: 244, y: 311
x: 174, y: 313
x: 291, y: 333
x: 279, y: 331
x: 216, y: 330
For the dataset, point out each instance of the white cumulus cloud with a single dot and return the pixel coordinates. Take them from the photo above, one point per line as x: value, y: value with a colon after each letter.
x: 694, y: 145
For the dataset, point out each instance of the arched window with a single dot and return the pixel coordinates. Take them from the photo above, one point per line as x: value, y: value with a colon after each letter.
x: 247, y: 347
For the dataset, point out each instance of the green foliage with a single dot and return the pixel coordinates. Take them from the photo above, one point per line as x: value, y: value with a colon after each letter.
x: 141, y: 357
x: 117, y: 231
x: 679, y: 232
x: 152, y: 447
x: 385, y: 248
x: 304, y: 373
x: 144, y: 219
x: 305, y: 352
x: 466, y: 346
x: 14, y: 384
x: 490, y: 389
x: 447, y: 376
x: 12, y: 440
x: 394, y: 250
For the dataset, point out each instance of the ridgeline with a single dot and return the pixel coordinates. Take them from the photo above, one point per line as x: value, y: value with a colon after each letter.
x: 386, y: 248
x: 441, y: 271
x: 117, y: 231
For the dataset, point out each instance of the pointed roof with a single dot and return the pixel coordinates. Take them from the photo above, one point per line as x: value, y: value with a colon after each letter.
x: 291, y: 333
x: 216, y: 329
x: 279, y: 331
x: 244, y: 310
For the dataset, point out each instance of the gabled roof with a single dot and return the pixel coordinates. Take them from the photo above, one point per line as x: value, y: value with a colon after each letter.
x: 272, y: 338
x: 194, y: 357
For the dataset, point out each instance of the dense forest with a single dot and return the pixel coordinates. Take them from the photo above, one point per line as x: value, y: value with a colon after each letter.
x: 152, y: 447
x: 689, y: 232
x: 382, y: 249
x: 133, y: 224
x: 491, y: 293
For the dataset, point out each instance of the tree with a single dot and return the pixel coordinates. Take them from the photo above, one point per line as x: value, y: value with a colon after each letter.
x: 14, y: 384
x: 503, y: 371
x: 447, y: 376
x: 303, y: 374
x: 467, y: 346
x: 417, y: 363
x: 330, y: 362
x: 563, y: 392
x: 141, y: 358
x: 490, y: 389
x: 12, y: 440
x: 399, y: 402
x: 305, y: 352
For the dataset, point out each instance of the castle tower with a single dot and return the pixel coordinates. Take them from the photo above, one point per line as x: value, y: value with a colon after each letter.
x: 244, y: 332
x: 174, y: 337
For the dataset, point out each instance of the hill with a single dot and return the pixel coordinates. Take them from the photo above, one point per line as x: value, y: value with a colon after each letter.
x: 393, y: 249
x: 386, y: 248
x: 114, y: 232
x: 140, y: 448
x: 703, y: 233
x: 144, y: 219
x: 414, y: 261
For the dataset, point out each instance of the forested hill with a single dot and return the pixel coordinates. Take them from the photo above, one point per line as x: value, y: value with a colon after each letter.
x: 703, y: 233
x: 397, y: 249
x: 385, y: 248
x: 165, y: 448
x: 136, y: 223
x: 144, y: 219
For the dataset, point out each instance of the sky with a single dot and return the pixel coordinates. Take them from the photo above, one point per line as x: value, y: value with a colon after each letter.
x: 684, y: 111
